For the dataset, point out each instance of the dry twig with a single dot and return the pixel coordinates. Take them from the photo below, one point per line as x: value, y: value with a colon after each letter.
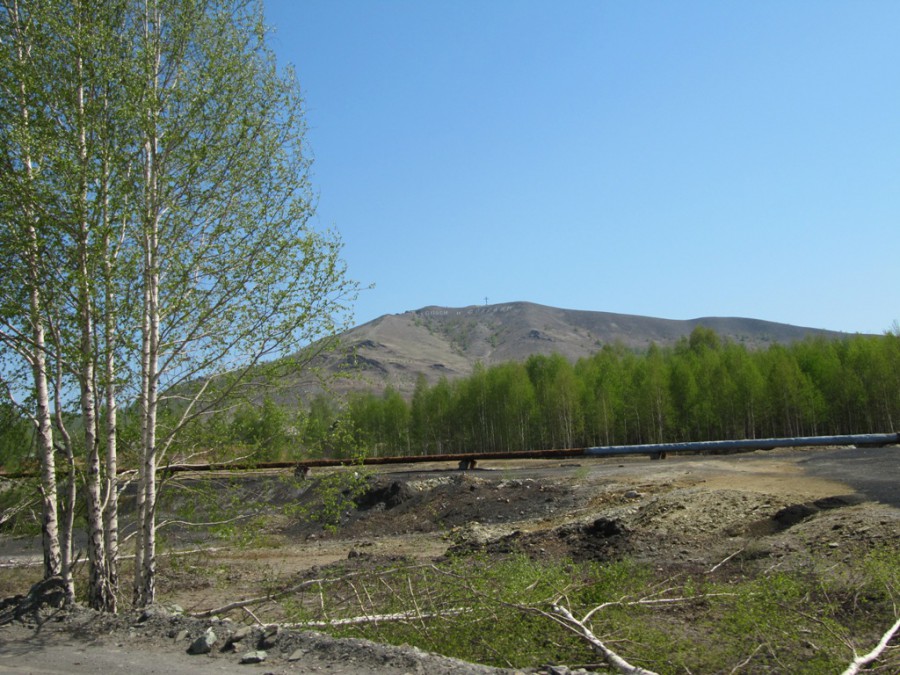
x: 718, y: 565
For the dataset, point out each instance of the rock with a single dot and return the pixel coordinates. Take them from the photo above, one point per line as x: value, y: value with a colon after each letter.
x: 241, y: 633
x: 204, y: 643
x: 558, y: 670
x: 153, y: 612
x: 237, y: 636
x: 269, y: 636
x: 254, y: 657
x: 390, y: 493
x: 297, y: 654
x: 633, y: 494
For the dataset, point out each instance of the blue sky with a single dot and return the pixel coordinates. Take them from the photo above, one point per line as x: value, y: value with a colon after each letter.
x: 671, y: 159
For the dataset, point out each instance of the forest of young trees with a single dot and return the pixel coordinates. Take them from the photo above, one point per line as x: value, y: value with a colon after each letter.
x: 704, y: 388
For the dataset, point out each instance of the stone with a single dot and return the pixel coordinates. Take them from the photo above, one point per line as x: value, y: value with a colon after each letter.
x: 204, y: 643
x: 254, y: 657
x: 267, y: 641
x: 242, y: 633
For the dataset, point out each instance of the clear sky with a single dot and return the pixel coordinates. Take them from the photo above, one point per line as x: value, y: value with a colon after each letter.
x: 675, y: 159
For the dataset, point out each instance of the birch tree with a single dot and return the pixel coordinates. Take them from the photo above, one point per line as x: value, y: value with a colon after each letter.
x: 232, y: 273
x: 171, y: 166
x: 67, y: 68
x: 24, y: 326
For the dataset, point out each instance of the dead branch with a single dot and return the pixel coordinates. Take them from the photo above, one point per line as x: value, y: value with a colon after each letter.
x: 650, y: 601
x: 718, y: 565
x: 188, y: 523
x: 376, y: 618
x: 564, y: 618
x: 37, y: 562
x: 249, y: 602
x: 252, y: 615
x: 13, y: 511
x: 747, y: 660
x: 860, y: 662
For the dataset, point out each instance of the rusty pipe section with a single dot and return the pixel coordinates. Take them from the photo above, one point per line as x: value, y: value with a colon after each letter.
x: 654, y: 450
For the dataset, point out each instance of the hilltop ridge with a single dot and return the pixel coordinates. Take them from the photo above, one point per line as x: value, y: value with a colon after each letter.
x: 394, y: 349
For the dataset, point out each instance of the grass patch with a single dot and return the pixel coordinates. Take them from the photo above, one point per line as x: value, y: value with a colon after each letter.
x: 488, y: 610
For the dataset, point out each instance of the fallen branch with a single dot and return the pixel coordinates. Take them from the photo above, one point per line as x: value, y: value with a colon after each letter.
x: 376, y: 618
x: 13, y: 511
x: 252, y: 615
x: 747, y: 660
x: 36, y: 561
x: 864, y: 660
x: 564, y: 617
x: 650, y: 601
x: 240, y: 604
x: 189, y: 523
x: 717, y: 566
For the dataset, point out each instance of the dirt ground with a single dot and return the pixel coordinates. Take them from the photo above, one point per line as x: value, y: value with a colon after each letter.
x: 776, y: 508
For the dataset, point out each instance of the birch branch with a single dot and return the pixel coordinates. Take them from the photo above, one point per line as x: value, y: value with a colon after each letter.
x: 862, y: 661
x: 240, y: 604
x: 189, y: 523
x: 564, y: 617
x: 376, y: 618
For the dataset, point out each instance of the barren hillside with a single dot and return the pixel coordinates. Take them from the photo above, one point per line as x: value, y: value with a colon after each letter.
x: 436, y: 342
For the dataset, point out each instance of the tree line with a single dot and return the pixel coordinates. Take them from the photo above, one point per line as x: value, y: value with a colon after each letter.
x: 155, y: 249
x: 703, y: 388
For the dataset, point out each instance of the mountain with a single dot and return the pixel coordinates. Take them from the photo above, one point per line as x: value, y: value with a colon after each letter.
x: 445, y: 341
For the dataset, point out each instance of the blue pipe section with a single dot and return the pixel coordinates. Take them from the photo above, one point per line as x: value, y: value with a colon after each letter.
x: 744, y: 444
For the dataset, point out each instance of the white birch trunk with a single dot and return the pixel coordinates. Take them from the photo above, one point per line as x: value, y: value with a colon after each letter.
x: 100, y: 595
x: 49, y: 520
x: 111, y: 499
x: 146, y: 553
x: 67, y: 508
x: 145, y: 562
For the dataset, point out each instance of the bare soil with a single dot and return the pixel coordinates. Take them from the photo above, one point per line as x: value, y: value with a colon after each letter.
x: 779, y: 508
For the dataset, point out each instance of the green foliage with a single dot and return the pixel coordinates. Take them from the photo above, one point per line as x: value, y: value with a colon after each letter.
x: 329, y: 496
x: 16, y: 438
x: 265, y: 428
x: 489, y: 611
x: 704, y: 388
x: 20, y: 507
x: 468, y: 600
x: 334, y: 494
x: 319, y: 427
